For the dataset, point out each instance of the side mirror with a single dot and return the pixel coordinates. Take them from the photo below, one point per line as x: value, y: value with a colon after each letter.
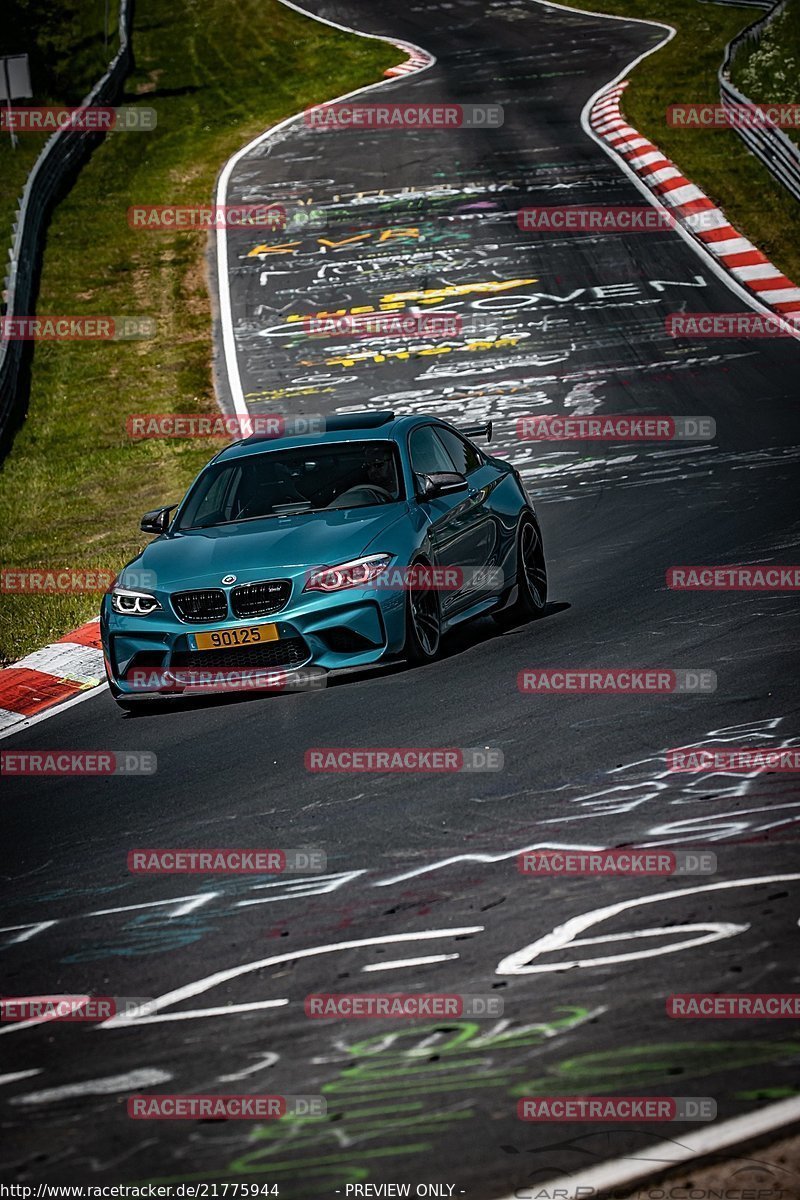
x: 156, y: 521
x: 442, y: 483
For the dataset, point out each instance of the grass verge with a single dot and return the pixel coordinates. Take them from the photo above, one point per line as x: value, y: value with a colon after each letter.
x: 769, y: 70
x: 73, y: 487
x: 67, y: 55
x: 717, y: 161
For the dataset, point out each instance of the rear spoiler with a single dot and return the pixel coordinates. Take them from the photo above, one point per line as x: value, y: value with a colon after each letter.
x: 474, y: 431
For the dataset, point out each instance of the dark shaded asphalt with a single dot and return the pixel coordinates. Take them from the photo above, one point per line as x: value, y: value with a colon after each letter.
x: 434, y: 1101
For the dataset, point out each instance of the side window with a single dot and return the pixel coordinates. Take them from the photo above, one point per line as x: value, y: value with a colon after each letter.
x: 210, y: 499
x: 465, y: 457
x: 216, y: 502
x: 427, y: 453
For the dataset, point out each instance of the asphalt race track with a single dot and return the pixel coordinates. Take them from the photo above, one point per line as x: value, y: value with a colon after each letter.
x: 421, y: 891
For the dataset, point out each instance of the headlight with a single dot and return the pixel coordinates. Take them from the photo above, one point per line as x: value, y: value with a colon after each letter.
x: 357, y: 573
x: 133, y: 604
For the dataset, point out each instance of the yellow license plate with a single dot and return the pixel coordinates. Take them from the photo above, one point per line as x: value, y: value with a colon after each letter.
x: 250, y: 635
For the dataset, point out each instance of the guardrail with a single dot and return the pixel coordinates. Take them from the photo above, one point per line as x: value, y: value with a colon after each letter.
x: 763, y: 4
x: 776, y: 151
x: 55, y: 168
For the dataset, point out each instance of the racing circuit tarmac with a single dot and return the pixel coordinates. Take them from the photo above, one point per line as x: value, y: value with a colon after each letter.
x: 421, y: 890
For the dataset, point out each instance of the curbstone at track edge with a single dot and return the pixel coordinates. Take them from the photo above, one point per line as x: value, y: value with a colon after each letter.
x: 67, y: 669
x: 61, y: 671
x: 691, y: 208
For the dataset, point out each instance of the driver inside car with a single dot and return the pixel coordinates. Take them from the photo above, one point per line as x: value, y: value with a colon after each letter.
x: 379, y: 485
x: 261, y: 490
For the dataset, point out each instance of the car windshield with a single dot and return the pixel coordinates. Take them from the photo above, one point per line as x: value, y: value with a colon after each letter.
x: 285, y: 482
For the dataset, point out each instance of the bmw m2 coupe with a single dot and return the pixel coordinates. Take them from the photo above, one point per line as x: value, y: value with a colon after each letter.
x: 364, y: 543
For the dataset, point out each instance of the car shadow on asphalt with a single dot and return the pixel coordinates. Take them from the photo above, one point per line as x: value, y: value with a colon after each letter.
x: 469, y: 636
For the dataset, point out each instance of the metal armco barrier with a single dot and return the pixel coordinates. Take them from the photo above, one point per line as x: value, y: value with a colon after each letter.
x: 55, y: 168
x: 776, y: 151
x: 765, y: 5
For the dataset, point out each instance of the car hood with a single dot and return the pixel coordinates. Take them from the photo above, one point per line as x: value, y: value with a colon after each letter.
x: 262, y: 548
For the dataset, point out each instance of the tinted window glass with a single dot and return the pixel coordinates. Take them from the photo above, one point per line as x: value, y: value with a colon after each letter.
x: 214, y: 503
x: 277, y: 483
x: 428, y: 455
x: 465, y: 457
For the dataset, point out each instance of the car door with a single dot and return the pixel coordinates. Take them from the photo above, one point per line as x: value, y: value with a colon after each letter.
x: 457, y: 522
x: 485, y: 547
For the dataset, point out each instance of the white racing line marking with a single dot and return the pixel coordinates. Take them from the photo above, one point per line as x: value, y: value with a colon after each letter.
x: 621, y: 1172
x: 699, y: 249
x: 218, y: 977
x: 616, y: 1172
x: 226, y: 315
x: 223, y: 279
x: 423, y: 961
x: 14, y: 726
x: 265, y: 1061
x: 142, y: 1077
x: 565, y: 935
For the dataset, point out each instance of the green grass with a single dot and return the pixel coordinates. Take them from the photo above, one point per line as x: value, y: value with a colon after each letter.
x: 64, y: 40
x: 73, y: 487
x: 685, y: 70
x: 769, y: 70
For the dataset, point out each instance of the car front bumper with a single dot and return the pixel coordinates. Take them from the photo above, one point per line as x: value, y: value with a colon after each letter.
x: 328, y: 631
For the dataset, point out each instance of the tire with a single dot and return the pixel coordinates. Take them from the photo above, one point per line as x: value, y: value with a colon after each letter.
x: 423, y: 624
x: 531, y: 600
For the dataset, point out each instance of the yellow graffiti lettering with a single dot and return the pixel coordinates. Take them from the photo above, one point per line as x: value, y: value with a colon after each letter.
x: 506, y: 341
x: 359, y: 237
x: 284, y: 248
x: 280, y: 393
x: 411, y: 232
x: 430, y: 295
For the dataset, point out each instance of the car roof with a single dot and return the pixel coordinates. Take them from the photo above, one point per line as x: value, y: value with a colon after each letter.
x: 340, y: 427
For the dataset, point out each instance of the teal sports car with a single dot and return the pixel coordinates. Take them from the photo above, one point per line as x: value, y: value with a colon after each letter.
x: 308, y: 554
